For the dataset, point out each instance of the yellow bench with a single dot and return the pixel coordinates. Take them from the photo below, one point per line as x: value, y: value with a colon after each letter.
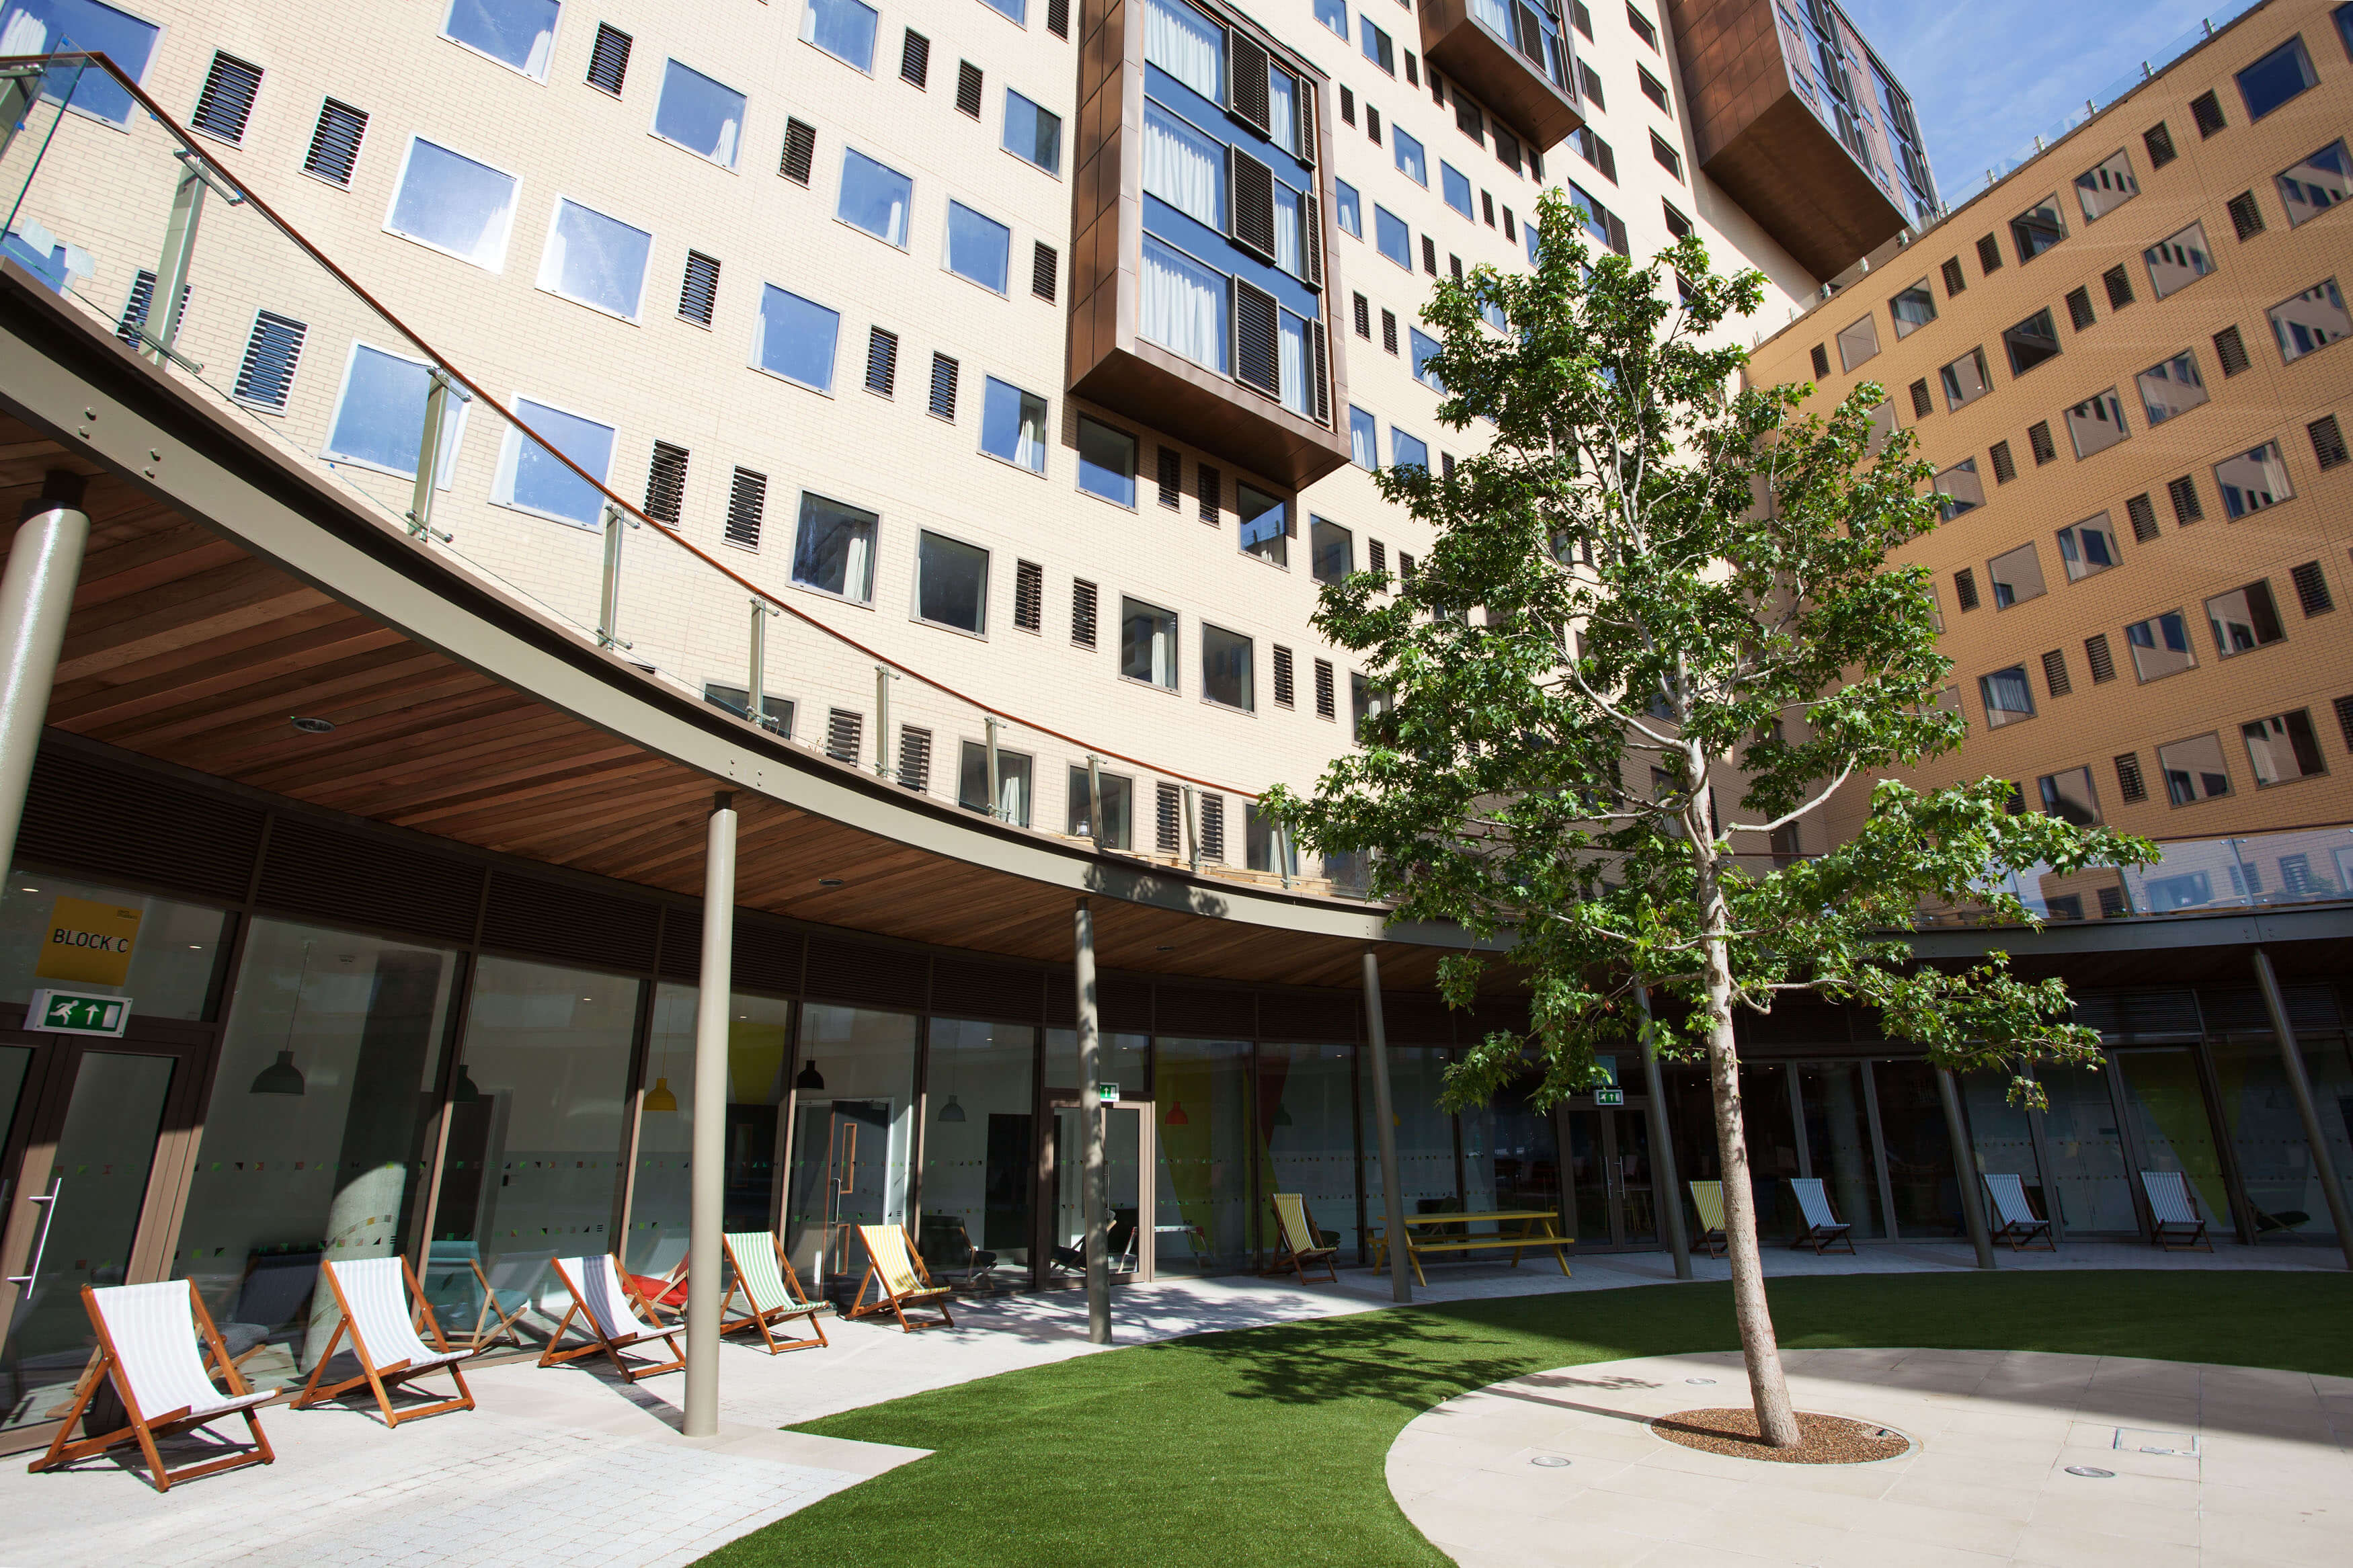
x: 1528, y: 1238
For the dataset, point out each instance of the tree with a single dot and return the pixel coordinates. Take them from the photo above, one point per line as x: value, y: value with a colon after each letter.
x: 1687, y: 629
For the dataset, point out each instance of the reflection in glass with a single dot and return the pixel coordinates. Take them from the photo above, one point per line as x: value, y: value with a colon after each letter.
x: 2169, y: 1115
x: 759, y: 1046
x: 1013, y: 426
x: 853, y: 1137
x: 979, y: 1163
x: 834, y: 551
x: 533, y: 479
x: 1427, y: 1174
x: 1511, y: 1156
x: 1225, y: 673
x: 1919, y: 1149
x: 174, y: 947
x: 842, y: 28
x: 2317, y: 184
x: 1308, y: 1122
x: 1013, y: 769
x: 2259, y: 1115
x: 2002, y: 1136
x: 952, y: 582
x: 380, y: 417
x: 596, y: 259
x: 1032, y: 132
x: 43, y: 26
x: 454, y: 204
x: 874, y: 197
x: 1838, y: 1142
x: 517, y: 32
x: 1106, y: 462
x: 700, y: 114
x: 1118, y: 806
x: 795, y: 338
x: 2086, y: 1146
x: 1202, y: 1215
x: 980, y: 248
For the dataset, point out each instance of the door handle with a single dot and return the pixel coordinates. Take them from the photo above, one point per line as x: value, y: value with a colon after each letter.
x: 41, y: 1243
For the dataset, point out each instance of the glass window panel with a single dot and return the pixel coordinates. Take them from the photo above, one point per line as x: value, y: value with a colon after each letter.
x: 979, y: 247
x: 1838, y: 1142
x: 1032, y: 132
x: 2194, y: 769
x: 1859, y: 343
x: 2317, y: 184
x: 1187, y: 45
x: 2171, y: 387
x: 2038, y: 228
x: 1510, y: 1160
x: 1375, y: 44
x: 1291, y: 369
x: 1334, y: 550
x: 2016, y: 575
x: 842, y: 28
x: 1425, y: 348
x: 451, y: 202
x: 2088, y: 1171
x: 533, y: 479
x: 2244, y: 619
x: 2276, y: 1168
x: 1456, y: 186
x: 1106, y: 462
x: 1352, y: 215
x: 952, y: 582
x: 53, y: 930
x: 2168, y: 1113
x: 519, y: 33
x: 44, y: 26
x: 1013, y: 425
x: 2106, y: 186
x: 2312, y: 320
x: 2279, y: 76
x: 1203, y: 1220
x: 980, y: 1173
x: 1411, y: 161
x: 1427, y: 1177
x: 2160, y: 646
x: 833, y: 551
x: 2009, y: 700
x: 2178, y: 260
x: 1311, y: 1135
x: 853, y: 1138
x: 2070, y: 796
x: 874, y: 197
x: 1225, y: 673
x: 795, y: 338
x: 1265, y: 524
x: 2283, y: 748
x: 596, y: 259
x: 1366, y: 701
x: 2097, y: 422
x: 2002, y: 1135
x: 1965, y: 380
x: 1014, y: 772
x: 1913, y: 309
x: 1408, y: 451
x: 2253, y: 480
x: 1119, y: 1059
x: 1184, y: 166
x: 1333, y: 14
x: 2088, y: 548
x: 1364, y: 439
x: 1394, y: 238
x: 1263, y: 848
x: 1282, y: 108
x: 1289, y: 225
x: 2035, y: 341
x: 1118, y: 806
x: 1185, y: 305
x: 1019, y: 10
x: 380, y: 416
x: 700, y: 115
x: 1920, y: 1170
x: 1147, y: 643
x: 1961, y: 488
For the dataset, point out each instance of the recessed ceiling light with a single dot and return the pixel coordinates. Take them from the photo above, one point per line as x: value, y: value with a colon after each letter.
x: 28, y: 889
x: 312, y: 726
x: 831, y: 882
x: 1165, y: 947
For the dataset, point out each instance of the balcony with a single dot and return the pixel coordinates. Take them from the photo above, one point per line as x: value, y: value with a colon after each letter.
x: 1514, y: 55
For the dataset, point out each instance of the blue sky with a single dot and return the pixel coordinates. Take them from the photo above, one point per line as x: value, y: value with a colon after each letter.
x: 1987, y: 76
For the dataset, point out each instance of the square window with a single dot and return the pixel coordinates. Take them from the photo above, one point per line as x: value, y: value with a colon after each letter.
x: 1913, y: 309
x: 1189, y: 46
x: 1456, y: 186
x: 1331, y: 548
x: 2070, y: 796
x: 2194, y: 769
x: 1965, y: 380
x: 875, y: 198
x: 951, y: 583
x: 520, y: 34
x: 1408, y: 451
x: 1411, y: 161
x: 1265, y: 847
x: 2016, y: 576
x: 2038, y: 228
x: 2097, y: 422
x: 1333, y: 14
x: 2244, y: 619
x: 597, y: 261
x: 2310, y: 321
x: 979, y: 248
x: 702, y: 116
x: 842, y: 28
x: 2106, y: 186
x: 2282, y: 748
x: 794, y: 339
x: 1147, y: 643
x: 2278, y: 76
x: 531, y: 479
x: 1394, y: 238
x: 379, y: 419
x: 451, y: 202
x: 2035, y: 341
x: 1960, y: 488
x: 1364, y: 439
x: 2088, y: 548
x: 2160, y: 646
x: 1118, y: 793
x: 1031, y: 133
x: 1187, y: 306
x: 2008, y: 698
x: 2317, y: 184
x: 2253, y: 480
x: 2169, y: 388
x: 1376, y: 45
x: 1858, y: 343
x: 1106, y: 462
x: 2179, y: 260
x: 833, y: 550
x: 1265, y: 524
x: 1014, y: 773
x: 1013, y: 426
x: 1424, y: 349
x: 38, y: 27
x: 1352, y: 211
x: 1184, y: 166
x: 1225, y: 673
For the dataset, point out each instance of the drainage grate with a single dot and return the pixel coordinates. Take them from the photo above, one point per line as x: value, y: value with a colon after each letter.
x: 2135, y: 1440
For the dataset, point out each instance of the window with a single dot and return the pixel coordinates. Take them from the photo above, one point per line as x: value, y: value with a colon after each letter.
x: 530, y: 478
x: 702, y: 116
x: 833, y: 551
x: 2037, y: 229
x: 1184, y: 167
x: 1456, y: 185
x: 1858, y: 343
x: 2016, y: 576
x: 2317, y: 184
x: 1395, y: 239
x: 2106, y: 186
x: 1912, y: 309
x: 1333, y: 550
x: 978, y: 248
x: 1654, y: 90
x: 2310, y: 321
x: 794, y: 339
x: 2169, y: 388
x: 1265, y: 530
x: 1185, y: 305
x: 1666, y: 157
x: 2253, y: 481
x: 1013, y: 771
x: 1118, y: 793
x: 595, y: 260
x: 951, y: 583
x: 2088, y: 548
x: 2035, y: 341
x: 1376, y: 45
x: 334, y: 143
x: 1643, y: 28
x: 1408, y: 451
x: 2244, y: 619
x: 698, y: 290
x: 1014, y: 10
x: 1352, y: 213
x: 1012, y: 422
x: 2118, y: 283
x: 2282, y: 748
x: 2008, y: 698
x: 842, y: 28
x: 2160, y: 646
x: 1333, y: 14
x: 1678, y: 226
x: 272, y: 351
x: 1411, y: 161
x: 1031, y: 133
x: 2097, y: 422
x: 1226, y: 676
x: 2276, y: 78
x: 379, y: 419
x: 453, y: 204
x: 2194, y: 770
x: 519, y: 34
x: 1147, y: 643
x: 1960, y: 488
x: 1106, y: 462
x: 1424, y: 349
x: 1965, y: 380
x: 2179, y: 260
x: 2070, y: 796
x: 1594, y: 151
x: 1364, y: 439
x: 1592, y: 84
x: 875, y: 198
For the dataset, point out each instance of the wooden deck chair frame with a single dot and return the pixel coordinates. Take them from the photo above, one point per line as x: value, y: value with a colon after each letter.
x: 492, y: 1320
x: 384, y: 1377
x: 2185, y: 1232
x: 2018, y: 1226
x: 1297, y: 1252
x: 1820, y: 1234
x: 597, y: 1340
x: 916, y: 1289
x: 764, y: 1319
x: 146, y: 1427
x: 1708, y: 1198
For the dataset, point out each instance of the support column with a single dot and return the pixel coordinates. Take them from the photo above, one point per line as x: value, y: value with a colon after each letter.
x: 1662, y: 1153
x: 707, y: 1160
x: 2299, y: 1084
x: 36, y: 599
x: 1385, y: 1122
x: 1965, y: 1170
x: 1091, y: 1175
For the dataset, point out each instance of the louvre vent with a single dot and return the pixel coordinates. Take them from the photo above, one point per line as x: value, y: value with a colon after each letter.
x: 1167, y: 819
x: 844, y: 732
x: 2118, y: 283
x: 857, y: 971
x: 2158, y: 140
x: 2039, y: 442
x: 2004, y: 471
x: 1372, y: 124
x: 1376, y: 555
x: 1248, y: 63
x: 1045, y: 270
x: 552, y: 919
x: 1203, y: 1012
x: 2186, y: 507
x: 2142, y: 517
x: 698, y: 293
x: 1029, y: 595
x: 1920, y: 404
x: 1283, y: 676
x: 968, y: 81
x: 1213, y: 826
x: 1388, y: 331
x: 2312, y: 589
x: 1989, y: 255
x: 1965, y: 589
x: 1302, y: 97
x: 1322, y: 368
x: 1172, y: 477
x: 266, y: 378
x: 1956, y: 284
x: 2079, y: 308
x: 748, y: 499
x: 915, y: 758
x: 963, y: 989
x: 2345, y: 720
x: 2054, y: 672
x: 881, y: 362
x: 1251, y: 203
x: 800, y: 151
x: 944, y: 386
x: 226, y: 101
x: 187, y: 841
x: 2328, y: 441
x: 2096, y: 654
x: 313, y: 870
x: 1364, y: 309
x: 335, y: 143
x: 2138, y: 1014
x: 2246, y: 214
x: 915, y: 59
x: 1058, y: 18
x: 1430, y: 256
x: 1310, y: 240
x: 2207, y: 111
x: 1256, y: 362
x: 2231, y: 349
x: 1822, y: 362
x: 143, y: 298
x: 608, y: 61
x: 1213, y: 494
x: 1082, y: 612
x: 2129, y: 783
x: 666, y: 483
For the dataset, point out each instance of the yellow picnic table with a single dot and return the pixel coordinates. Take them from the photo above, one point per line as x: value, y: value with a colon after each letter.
x: 1537, y: 1233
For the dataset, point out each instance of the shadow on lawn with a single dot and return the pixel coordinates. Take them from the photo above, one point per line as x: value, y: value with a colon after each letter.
x: 1408, y: 1359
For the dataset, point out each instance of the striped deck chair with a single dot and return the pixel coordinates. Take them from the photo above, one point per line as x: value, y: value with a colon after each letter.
x: 770, y: 1289
x: 147, y: 1339
x: 1822, y: 1230
x: 1707, y: 1197
x: 2018, y: 1226
x: 898, y: 1275
x: 1300, y: 1245
x: 607, y: 1311
x: 2176, y: 1227
x: 382, y: 1305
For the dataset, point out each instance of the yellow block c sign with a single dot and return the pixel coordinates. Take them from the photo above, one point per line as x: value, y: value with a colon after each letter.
x: 88, y: 943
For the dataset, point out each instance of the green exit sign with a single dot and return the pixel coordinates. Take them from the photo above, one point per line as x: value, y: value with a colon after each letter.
x: 75, y: 1013
x: 1607, y: 1096
x: 1109, y: 1093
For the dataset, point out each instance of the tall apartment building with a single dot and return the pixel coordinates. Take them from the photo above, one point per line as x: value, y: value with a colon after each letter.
x: 2118, y: 359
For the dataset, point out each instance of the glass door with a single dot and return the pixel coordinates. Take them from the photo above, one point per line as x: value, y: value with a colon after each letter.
x: 1129, y: 1245
x: 1614, y: 1200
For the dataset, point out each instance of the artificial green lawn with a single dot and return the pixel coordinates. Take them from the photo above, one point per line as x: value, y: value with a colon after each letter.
x: 1266, y: 1444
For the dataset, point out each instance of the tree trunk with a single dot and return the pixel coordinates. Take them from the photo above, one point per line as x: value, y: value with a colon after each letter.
x: 1769, y: 1388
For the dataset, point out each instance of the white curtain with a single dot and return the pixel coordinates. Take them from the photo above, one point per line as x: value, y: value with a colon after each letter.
x: 1363, y: 449
x: 1292, y: 341
x: 1187, y: 45
x: 1164, y: 653
x: 858, y: 565
x: 1013, y: 788
x: 1184, y: 168
x: 1282, y: 108
x: 1183, y: 305
x: 1030, y: 445
x: 1495, y: 14
x: 1288, y: 227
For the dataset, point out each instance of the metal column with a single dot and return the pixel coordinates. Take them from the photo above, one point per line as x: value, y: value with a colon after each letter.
x: 1662, y: 1153
x: 708, y: 1158
x: 36, y: 599
x: 1385, y: 1123
x: 1965, y: 1170
x: 2299, y: 1084
x: 1093, y: 1175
